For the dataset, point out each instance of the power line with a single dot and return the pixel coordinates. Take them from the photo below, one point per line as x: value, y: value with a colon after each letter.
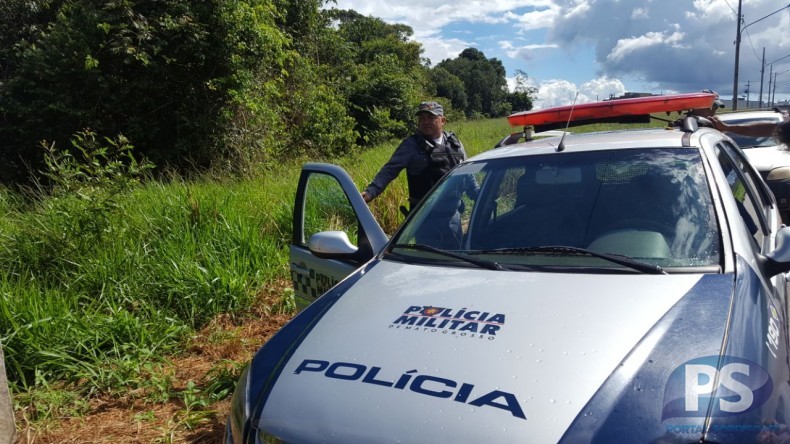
x: 751, y: 44
x: 738, y: 48
x: 731, y: 8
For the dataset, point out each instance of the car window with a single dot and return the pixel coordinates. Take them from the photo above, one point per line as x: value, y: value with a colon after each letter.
x: 761, y: 190
x: 443, y: 220
x: 327, y: 208
x: 650, y: 204
x: 744, y: 185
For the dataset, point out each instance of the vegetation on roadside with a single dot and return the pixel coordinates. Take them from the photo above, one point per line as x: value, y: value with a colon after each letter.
x: 226, y: 86
x: 101, y: 278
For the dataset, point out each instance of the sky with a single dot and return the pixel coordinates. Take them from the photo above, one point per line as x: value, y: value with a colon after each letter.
x: 604, y: 48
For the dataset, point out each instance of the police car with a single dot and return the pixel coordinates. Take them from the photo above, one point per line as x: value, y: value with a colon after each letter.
x: 623, y: 286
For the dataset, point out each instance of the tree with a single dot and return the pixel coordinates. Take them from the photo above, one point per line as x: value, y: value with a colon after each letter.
x: 450, y: 86
x: 380, y: 74
x: 157, y: 72
x: 520, y: 98
x: 194, y: 85
x: 190, y: 84
x: 483, y: 79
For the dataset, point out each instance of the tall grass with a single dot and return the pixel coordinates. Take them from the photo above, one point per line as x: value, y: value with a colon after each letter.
x: 77, y: 320
x: 76, y: 304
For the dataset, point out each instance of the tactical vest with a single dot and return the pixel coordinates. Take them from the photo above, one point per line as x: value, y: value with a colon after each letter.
x: 441, y: 158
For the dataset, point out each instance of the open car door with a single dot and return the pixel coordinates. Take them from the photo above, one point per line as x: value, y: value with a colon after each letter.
x: 329, y: 204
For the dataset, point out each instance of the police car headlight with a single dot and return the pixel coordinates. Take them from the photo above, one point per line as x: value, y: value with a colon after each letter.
x: 239, y: 409
x: 779, y: 174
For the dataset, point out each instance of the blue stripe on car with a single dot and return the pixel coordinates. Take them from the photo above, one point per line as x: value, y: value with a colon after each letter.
x: 754, y: 318
x: 270, y: 359
x: 627, y: 405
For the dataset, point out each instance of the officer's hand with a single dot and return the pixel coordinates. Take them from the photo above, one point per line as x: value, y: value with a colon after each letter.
x: 718, y: 124
x: 366, y: 196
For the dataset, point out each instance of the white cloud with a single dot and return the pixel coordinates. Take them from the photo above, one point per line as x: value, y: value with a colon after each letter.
x: 524, y: 52
x: 437, y: 49
x: 578, y: 10
x: 711, y: 11
x: 602, y: 88
x: 559, y: 92
x: 537, y: 19
x: 427, y: 20
x: 628, y: 46
x: 666, y: 45
x: 422, y: 15
x: 555, y: 92
x: 640, y: 13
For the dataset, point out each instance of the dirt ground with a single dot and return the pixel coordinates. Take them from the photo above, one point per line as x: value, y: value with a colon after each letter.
x: 130, y: 420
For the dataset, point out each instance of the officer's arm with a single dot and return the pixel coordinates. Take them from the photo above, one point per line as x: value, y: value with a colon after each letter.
x: 472, y: 187
x: 399, y: 160
x: 754, y: 129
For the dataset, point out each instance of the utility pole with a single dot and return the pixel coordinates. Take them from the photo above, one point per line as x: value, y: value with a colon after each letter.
x: 738, y: 50
x: 747, y: 94
x: 773, y: 94
x: 776, y: 74
x: 737, y: 54
x: 770, y: 75
x: 762, y: 76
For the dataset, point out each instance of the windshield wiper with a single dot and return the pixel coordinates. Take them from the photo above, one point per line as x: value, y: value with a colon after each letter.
x: 483, y: 263
x: 615, y: 258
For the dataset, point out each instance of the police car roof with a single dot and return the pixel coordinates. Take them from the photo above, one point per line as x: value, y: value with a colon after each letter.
x: 670, y: 137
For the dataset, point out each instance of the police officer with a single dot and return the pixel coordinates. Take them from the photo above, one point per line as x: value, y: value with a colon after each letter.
x: 426, y: 155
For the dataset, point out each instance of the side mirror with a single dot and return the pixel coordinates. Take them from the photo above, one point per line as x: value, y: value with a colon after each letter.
x: 332, y: 245
x: 778, y: 261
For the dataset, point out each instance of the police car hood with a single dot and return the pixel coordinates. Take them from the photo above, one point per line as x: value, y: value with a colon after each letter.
x: 413, y: 353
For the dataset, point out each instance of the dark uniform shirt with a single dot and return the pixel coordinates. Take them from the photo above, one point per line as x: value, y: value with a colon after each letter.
x: 425, y: 163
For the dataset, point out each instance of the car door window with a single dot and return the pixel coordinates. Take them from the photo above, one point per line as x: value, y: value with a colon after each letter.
x: 327, y: 208
x: 762, y: 192
x: 751, y: 208
x: 327, y: 199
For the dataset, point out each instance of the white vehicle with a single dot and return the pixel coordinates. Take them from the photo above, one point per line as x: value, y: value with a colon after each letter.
x: 771, y: 159
x: 625, y: 286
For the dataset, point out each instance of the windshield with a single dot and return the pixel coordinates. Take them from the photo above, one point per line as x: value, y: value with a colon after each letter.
x: 751, y: 142
x: 650, y: 206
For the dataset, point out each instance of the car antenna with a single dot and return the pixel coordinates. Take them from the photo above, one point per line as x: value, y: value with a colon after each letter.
x: 561, y: 146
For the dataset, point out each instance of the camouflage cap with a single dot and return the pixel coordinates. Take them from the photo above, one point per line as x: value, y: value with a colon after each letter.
x: 431, y: 107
